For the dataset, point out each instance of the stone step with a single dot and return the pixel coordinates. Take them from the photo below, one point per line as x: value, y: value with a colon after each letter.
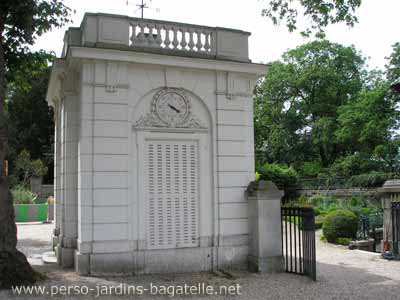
x: 49, y: 257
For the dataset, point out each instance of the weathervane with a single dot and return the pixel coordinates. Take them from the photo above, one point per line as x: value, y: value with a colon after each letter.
x: 142, y: 7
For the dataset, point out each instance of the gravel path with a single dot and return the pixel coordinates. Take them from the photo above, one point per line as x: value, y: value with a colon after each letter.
x: 342, y: 274
x: 34, y: 239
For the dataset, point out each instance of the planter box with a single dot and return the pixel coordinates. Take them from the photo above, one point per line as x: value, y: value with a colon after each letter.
x: 31, y: 212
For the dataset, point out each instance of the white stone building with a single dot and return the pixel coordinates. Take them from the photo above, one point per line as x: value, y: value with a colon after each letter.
x: 154, y: 146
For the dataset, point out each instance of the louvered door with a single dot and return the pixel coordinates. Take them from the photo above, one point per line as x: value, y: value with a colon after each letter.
x: 171, y: 194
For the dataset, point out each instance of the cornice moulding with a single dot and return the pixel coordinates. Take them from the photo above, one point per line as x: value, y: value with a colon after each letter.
x: 255, y: 70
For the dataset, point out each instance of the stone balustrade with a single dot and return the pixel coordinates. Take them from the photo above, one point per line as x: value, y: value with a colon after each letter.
x: 160, y: 37
x: 172, y: 36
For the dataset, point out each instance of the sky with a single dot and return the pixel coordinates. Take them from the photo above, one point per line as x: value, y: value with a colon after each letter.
x: 376, y: 32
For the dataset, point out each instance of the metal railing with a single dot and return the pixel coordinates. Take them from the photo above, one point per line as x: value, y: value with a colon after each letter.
x: 371, y: 226
x: 298, y: 240
x: 322, y: 183
x: 396, y: 227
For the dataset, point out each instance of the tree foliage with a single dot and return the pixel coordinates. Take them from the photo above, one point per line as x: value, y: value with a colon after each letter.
x: 319, y: 107
x: 28, y: 168
x: 321, y: 13
x: 20, y: 23
x: 393, y: 66
x: 30, y: 118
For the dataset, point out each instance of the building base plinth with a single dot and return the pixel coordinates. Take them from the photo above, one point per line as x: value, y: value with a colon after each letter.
x: 65, y: 256
x: 271, y: 264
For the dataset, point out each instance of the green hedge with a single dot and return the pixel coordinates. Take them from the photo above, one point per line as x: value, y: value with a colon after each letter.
x: 340, y: 224
x: 370, y: 180
x: 283, y: 176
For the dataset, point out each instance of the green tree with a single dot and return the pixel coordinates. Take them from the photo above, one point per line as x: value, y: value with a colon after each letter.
x: 296, y: 106
x: 368, y: 127
x: 31, y: 125
x: 20, y: 23
x: 320, y: 110
x: 393, y: 67
x: 321, y: 13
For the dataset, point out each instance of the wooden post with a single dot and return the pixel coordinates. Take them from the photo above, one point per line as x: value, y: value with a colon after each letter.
x: 5, y: 169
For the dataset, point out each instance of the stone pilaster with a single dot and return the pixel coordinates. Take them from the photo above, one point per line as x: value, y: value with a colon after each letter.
x: 390, y: 192
x: 265, y: 251
x: 69, y: 223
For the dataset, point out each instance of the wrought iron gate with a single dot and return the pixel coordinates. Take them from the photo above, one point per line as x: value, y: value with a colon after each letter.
x: 396, y: 227
x: 298, y: 240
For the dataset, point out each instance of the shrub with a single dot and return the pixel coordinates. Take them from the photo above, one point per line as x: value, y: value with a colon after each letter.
x: 303, y: 200
x: 357, y: 163
x: 319, y: 221
x: 38, y: 168
x: 26, y: 167
x: 340, y: 224
x: 317, y: 200
x: 355, y: 201
x: 284, y: 177
x: 369, y: 180
x: 317, y: 211
x: 343, y: 241
x: 21, y: 195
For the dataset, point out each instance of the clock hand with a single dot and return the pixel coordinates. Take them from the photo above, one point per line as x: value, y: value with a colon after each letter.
x: 174, y: 108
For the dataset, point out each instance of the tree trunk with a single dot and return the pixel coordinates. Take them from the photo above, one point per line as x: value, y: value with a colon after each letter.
x: 14, y: 267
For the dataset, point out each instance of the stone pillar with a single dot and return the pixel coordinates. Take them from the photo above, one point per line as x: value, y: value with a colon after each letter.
x: 57, y: 175
x: 265, y: 250
x: 85, y: 171
x: 390, y: 192
x: 68, y: 230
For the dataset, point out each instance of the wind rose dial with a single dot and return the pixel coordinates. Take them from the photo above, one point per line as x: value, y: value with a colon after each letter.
x: 171, y: 107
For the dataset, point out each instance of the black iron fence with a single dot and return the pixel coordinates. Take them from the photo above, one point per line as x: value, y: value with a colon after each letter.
x: 328, y: 183
x: 371, y: 227
x: 298, y: 240
x: 396, y: 227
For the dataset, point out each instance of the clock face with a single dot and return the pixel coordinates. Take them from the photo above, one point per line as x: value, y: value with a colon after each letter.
x: 172, y: 108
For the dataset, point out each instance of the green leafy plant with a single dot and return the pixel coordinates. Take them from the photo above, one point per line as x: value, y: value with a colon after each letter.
x: 343, y: 241
x: 22, y: 195
x: 283, y: 176
x: 318, y: 13
x: 340, y: 224
x: 27, y: 168
x: 38, y: 168
x: 319, y: 221
x: 317, y: 200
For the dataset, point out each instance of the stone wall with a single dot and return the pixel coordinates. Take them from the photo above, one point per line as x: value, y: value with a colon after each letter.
x: 340, y: 193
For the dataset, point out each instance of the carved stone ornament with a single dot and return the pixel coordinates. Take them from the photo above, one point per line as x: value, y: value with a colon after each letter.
x: 170, y: 108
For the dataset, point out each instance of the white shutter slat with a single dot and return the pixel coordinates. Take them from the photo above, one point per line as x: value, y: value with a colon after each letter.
x: 172, y: 194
